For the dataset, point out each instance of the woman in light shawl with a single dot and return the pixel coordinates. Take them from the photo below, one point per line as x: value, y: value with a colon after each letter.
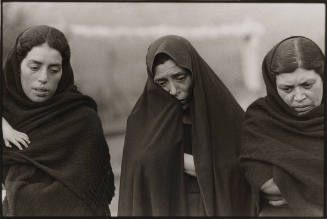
x: 283, y: 135
x: 182, y: 142
x: 65, y: 170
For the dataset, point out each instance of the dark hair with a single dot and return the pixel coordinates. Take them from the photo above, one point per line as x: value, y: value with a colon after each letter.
x: 298, y: 52
x: 160, y: 59
x: 37, y: 35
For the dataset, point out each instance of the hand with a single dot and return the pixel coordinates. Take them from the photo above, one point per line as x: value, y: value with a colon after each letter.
x: 275, y: 200
x: 273, y: 194
x: 12, y: 136
x: 189, y: 167
x: 278, y: 203
x: 270, y: 188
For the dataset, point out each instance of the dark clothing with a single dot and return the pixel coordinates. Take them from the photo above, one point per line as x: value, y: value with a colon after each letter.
x: 66, y: 168
x: 152, y: 174
x: 267, y: 210
x: 32, y: 192
x: 194, y: 203
x: 279, y: 144
x: 187, y: 138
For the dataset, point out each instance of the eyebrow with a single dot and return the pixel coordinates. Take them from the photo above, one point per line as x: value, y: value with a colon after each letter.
x: 180, y: 73
x: 55, y: 65
x: 285, y: 85
x: 32, y: 61
x: 308, y: 81
x: 160, y: 79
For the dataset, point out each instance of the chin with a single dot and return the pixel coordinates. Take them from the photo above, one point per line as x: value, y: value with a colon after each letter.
x: 38, y: 99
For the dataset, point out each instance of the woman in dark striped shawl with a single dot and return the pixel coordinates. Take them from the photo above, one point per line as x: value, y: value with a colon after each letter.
x: 283, y: 133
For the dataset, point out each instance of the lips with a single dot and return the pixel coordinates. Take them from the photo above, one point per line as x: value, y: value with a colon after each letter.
x: 40, y: 91
x: 302, y: 108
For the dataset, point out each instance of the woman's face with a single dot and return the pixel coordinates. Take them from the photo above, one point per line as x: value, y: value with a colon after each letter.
x: 301, y: 90
x: 40, y: 72
x: 175, y: 80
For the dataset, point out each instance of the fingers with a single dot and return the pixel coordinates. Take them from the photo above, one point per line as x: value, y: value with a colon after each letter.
x: 18, y: 140
x: 22, y: 142
x: 15, y: 142
x: 278, y: 203
x: 23, y: 136
x: 23, y: 139
x: 14, y: 137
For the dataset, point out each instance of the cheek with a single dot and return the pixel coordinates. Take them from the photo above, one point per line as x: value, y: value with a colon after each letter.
x: 286, y: 97
x: 316, y: 94
x: 55, y: 81
x: 187, y: 86
x: 26, y: 80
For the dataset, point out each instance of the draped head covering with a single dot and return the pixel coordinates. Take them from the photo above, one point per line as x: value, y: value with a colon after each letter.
x: 67, y: 142
x: 280, y: 144
x: 35, y: 36
x: 152, y: 169
x: 288, y: 55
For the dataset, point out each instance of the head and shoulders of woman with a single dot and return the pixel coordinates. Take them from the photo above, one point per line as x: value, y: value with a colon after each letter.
x: 293, y: 72
x: 39, y: 72
x: 175, y: 66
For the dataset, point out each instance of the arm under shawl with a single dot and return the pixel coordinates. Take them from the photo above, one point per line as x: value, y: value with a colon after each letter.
x: 294, y: 154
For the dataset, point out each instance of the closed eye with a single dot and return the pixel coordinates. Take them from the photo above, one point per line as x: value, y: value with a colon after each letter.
x: 34, y: 67
x: 180, y: 77
x: 55, y: 70
x: 307, y: 85
x: 161, y: 83
x: 287, y: 89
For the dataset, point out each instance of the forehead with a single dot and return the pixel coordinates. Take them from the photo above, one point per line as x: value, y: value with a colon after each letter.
x: 298, y: 76
x: 167, y: 69
x: 44, y: 53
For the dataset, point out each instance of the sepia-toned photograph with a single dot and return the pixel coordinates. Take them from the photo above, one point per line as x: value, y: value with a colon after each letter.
x: 163, y: 109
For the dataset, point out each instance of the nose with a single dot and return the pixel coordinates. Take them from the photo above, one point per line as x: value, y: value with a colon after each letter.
x: 43, y: 76
x: 172, y: 89
x: 299, y: 95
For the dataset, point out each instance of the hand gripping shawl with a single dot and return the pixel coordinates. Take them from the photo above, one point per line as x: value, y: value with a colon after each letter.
x: 66, y: 169
x: 290, y: 147
x: 152, y: 169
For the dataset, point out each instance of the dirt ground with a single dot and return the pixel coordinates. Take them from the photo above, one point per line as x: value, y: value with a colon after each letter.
x: 116, y: 144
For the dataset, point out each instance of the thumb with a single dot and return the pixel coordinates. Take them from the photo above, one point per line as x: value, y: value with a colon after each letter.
x: 7, y: 144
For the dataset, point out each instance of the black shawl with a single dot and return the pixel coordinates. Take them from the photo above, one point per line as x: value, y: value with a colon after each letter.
x: 152, y: 169
x: 66, y: 169
x: 279, y: 144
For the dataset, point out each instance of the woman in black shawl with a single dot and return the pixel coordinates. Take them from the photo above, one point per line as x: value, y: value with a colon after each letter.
x: 65, y: 170
x: 283, y: 136
x: 184, y: 113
